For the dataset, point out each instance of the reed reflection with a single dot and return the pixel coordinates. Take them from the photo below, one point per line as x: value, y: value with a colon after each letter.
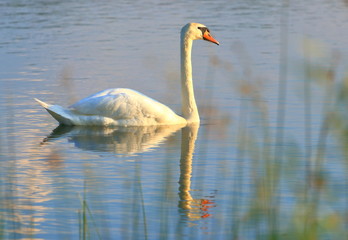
x: 192, y: 208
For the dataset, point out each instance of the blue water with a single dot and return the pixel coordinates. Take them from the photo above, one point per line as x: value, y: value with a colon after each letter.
x: 167, y: 183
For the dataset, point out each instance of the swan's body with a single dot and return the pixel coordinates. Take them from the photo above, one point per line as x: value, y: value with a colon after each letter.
x: 115, y: 107
x: 126, y: 107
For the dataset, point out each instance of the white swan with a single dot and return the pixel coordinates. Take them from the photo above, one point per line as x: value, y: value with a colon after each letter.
x: 126, y: 107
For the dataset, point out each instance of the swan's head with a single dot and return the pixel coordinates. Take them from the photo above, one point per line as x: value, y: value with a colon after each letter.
x: 195, y: 31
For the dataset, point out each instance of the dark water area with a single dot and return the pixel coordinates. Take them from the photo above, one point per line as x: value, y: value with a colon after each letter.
x: 269, y: 160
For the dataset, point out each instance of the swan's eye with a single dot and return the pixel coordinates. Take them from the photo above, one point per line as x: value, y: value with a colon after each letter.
x: 203, y: 29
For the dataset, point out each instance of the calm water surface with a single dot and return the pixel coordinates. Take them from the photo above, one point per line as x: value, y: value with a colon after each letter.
x: 214, y: 181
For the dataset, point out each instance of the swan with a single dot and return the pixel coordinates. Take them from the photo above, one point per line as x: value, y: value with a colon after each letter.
x: 126, y: 107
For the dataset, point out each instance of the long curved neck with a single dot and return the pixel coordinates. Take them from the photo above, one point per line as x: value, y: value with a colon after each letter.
x: 189, y: 107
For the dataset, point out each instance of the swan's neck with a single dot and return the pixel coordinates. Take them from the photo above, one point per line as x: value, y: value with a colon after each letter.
x: 189, y: 107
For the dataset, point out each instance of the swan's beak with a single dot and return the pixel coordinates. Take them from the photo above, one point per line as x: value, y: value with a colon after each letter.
x: 208, y: 37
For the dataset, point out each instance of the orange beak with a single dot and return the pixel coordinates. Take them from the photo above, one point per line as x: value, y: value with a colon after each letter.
x: 208, y: 37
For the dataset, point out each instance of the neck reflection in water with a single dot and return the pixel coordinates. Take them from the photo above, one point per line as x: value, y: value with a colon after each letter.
x: 192, y: 208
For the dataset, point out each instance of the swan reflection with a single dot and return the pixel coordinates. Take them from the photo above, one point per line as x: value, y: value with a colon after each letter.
x: 120, y: 140
x: 132, y: 140
x: 192, y: 208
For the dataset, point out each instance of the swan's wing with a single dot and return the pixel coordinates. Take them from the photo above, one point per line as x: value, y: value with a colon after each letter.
x: 108, y: 103
x: 124, y: 104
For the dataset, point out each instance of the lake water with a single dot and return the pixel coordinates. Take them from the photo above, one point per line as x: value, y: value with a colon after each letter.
x: 261, y: 165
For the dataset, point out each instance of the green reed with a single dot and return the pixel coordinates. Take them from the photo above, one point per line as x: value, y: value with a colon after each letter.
x: 273, y: 154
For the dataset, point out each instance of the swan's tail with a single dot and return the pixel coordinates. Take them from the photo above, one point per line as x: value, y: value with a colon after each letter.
x: 45, y: 105
x: 57, y: 112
